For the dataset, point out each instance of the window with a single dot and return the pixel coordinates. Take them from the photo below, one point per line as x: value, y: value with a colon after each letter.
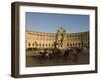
x: 29, y: 44
x: 76, y: 44
x: 68, y: 45
x: 73, y: 44
x: 49, y: 44
x: 33, y: 44
x: 79, y: 44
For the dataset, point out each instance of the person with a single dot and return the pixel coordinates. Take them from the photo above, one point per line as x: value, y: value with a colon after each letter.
x: 73, y: 55
x: 46, y: 54
x: 66, y: 54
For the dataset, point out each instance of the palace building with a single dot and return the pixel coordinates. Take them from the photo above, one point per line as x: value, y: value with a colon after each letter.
x: 60, y: 39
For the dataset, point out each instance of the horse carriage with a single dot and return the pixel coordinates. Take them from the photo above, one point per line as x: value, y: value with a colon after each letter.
x: 71, y: 53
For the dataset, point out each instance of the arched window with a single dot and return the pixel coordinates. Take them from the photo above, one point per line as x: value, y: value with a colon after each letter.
x: 79, y: 44
x: 73, y: 44
x: 33, y: 44
x: 68, y: 45
x: 49, y: 44
x: 42, y: 44
x: 76, y: 44
x: 29, y: 44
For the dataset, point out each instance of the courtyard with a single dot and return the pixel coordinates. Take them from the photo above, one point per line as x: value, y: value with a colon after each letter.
x: 71, y: 58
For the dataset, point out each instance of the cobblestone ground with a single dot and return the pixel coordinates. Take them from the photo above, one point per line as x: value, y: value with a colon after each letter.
x: 32, y: 61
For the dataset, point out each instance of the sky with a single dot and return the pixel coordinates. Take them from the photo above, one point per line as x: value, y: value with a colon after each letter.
x: 51, y: 22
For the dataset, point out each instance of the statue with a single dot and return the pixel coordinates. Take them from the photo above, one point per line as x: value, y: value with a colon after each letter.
x: 60, y: 37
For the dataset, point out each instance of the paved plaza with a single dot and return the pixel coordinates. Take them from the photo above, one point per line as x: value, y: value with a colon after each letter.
x: 36, y: 59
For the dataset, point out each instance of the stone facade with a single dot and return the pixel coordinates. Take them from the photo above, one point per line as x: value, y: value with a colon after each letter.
x: 62, y: 39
